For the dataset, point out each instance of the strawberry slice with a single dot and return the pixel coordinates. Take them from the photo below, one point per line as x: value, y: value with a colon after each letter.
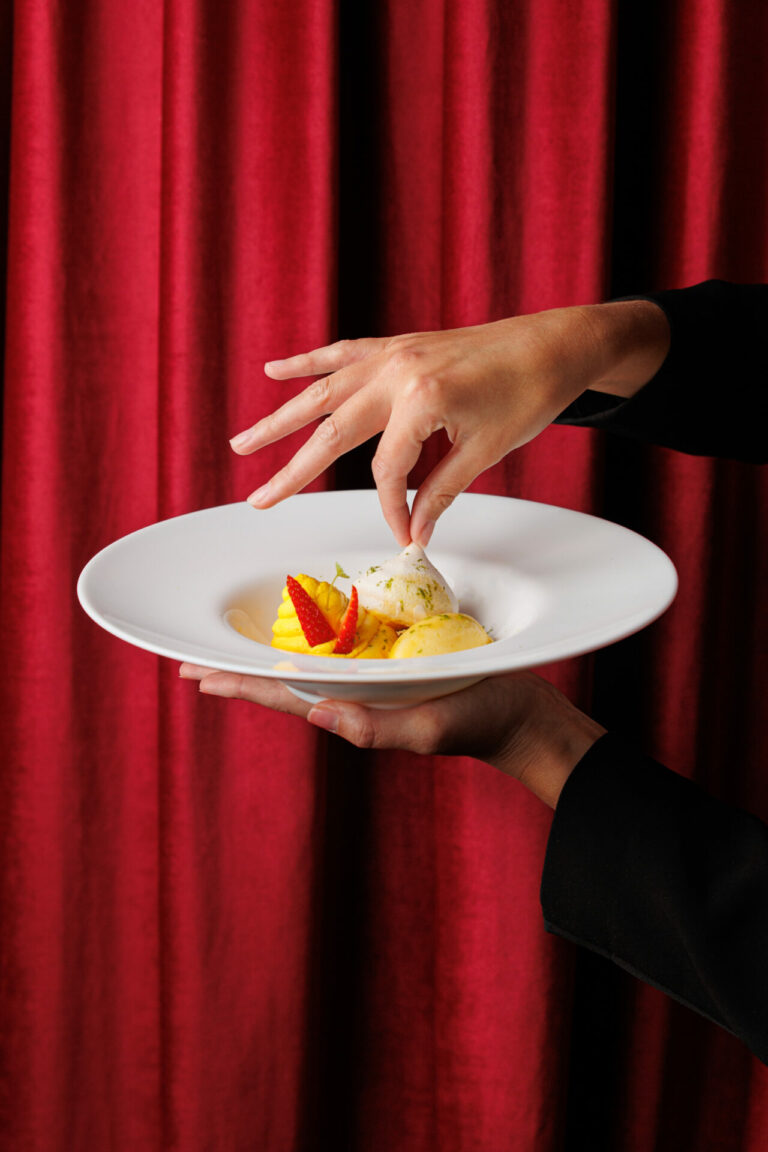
x: 314, y: 625
x: 346, y: 640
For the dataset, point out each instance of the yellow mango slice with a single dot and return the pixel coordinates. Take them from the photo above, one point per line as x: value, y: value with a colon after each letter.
x: 373, y: 640
x: 286, y: 630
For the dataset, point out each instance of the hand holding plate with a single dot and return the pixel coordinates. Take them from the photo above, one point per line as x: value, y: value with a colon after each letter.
x: 518, y: 723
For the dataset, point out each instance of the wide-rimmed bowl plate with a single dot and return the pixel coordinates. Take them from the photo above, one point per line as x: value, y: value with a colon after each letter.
x: 547, y: 582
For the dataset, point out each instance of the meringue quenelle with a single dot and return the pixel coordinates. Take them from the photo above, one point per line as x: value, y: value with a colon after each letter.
x: 406, y: 589
x: 401, y: 608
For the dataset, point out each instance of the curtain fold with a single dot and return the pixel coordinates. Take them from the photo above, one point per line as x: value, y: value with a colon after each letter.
x: 221, y: 930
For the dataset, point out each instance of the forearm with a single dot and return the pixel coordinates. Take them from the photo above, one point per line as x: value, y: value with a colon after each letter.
x: 707, y: 393
x: 645, y: 868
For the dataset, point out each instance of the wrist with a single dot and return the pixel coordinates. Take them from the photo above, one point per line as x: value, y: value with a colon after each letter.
x: 633, y: 337
x: 549, y: 744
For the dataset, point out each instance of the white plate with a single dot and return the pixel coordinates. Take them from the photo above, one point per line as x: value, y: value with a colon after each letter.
x: 547, y: 582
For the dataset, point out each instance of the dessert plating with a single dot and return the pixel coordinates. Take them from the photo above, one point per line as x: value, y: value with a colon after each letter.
x: 401, y: 609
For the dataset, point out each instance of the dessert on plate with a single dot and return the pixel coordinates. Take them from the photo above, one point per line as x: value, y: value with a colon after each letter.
x: 399, y: 609
x: 406, y: 589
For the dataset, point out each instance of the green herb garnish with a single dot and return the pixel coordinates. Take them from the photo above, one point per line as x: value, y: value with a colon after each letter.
x: 339, y: 572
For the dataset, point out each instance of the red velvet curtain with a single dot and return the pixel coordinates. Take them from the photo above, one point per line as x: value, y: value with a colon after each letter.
x: 220, y: 930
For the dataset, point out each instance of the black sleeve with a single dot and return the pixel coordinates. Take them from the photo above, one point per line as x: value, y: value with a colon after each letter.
x: 645, y: 868
x: 709, y: 394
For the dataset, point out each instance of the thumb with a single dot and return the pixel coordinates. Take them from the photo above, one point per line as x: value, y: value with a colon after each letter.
x: 428, y: 728
x: 478, y: 721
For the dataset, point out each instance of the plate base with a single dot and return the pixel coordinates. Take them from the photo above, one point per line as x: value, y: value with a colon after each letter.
x: 389, y: 696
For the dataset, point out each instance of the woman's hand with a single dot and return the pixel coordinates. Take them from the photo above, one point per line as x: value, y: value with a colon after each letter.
x: 492, y: 388
x: 518, y: 723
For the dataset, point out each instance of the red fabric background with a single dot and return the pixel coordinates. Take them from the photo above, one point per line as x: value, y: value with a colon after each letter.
x: 221, y: 931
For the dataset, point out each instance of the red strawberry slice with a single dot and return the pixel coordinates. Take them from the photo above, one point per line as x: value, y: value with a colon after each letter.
x: 346, y: 640
x: 314, y: 625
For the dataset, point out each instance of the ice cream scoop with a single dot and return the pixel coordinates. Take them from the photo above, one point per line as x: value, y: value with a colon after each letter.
x: 405, y: 589
x: 437, y: 635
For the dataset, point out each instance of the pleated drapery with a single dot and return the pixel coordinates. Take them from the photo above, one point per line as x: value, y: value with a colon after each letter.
x: 220, y: 930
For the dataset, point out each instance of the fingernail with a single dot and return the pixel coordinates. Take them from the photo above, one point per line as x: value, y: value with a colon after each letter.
x: 426, y: 533
x: 324, y: 718
x: 273, y: 364
x: 240, y: 440
x: 260, y: 495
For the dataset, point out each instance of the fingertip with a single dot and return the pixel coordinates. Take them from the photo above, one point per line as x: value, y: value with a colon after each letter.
x: 355, y: 723
x: 324, y: 717
x: 423, y: 535
x: 261, y: 497
x: 240, y: 442
x: 399, y: 520
x: 423, y: 520
x: 402, y: 535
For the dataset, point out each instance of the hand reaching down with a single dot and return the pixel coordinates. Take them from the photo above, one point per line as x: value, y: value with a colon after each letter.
x: 492, y: 387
